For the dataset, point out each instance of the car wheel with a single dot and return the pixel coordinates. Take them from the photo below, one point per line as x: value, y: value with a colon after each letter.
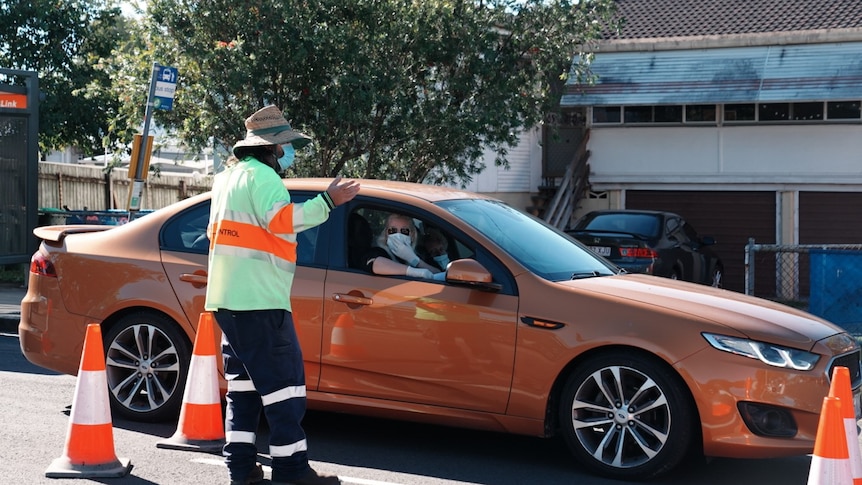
x: 147, y: 362
x: 626, y: 416
x: 716, y: 277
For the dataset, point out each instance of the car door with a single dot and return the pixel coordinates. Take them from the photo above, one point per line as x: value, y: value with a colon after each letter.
x: 414, y: 340
x: 184, y: 249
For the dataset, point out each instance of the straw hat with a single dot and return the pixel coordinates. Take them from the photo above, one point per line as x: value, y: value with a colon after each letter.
x: 267, y: 126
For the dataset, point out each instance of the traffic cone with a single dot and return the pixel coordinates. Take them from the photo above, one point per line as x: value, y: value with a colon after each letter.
x: 89, y: 450
x: 842, y: 389
x: 201, y: 425
x: 830, y: 464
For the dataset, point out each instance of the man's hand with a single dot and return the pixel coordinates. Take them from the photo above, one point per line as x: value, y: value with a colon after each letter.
x: 342, y: 193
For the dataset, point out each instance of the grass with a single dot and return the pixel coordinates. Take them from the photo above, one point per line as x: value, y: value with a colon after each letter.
x: 13, y: 274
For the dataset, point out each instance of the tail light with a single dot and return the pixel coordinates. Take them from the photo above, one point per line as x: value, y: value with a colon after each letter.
x: 645, y: 253
x: 42, y: 266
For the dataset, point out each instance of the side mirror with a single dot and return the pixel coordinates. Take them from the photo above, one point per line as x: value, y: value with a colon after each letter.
x: 468, y: 272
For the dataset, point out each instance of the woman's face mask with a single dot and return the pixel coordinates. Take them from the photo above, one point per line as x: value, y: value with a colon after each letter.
x: 286, y: 160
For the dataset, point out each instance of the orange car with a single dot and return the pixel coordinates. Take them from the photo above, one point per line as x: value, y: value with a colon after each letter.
x: 531, y: 333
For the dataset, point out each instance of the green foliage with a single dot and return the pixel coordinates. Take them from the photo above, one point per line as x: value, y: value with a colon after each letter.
x: 408, y: 90
x: 400, y: 89
x: 65, y: 42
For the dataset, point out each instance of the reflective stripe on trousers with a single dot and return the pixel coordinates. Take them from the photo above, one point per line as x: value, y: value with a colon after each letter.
x: 264, y: 369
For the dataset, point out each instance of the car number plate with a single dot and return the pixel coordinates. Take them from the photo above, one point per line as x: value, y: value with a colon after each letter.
x: 601, y: 250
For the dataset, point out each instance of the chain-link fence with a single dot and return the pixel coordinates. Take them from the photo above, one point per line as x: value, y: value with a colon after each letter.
x: 823, y: 279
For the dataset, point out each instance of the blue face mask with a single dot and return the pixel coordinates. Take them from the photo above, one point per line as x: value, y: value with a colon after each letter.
x: 286, y: 160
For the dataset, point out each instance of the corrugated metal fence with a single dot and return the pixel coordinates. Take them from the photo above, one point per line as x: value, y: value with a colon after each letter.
x: 85, y: 187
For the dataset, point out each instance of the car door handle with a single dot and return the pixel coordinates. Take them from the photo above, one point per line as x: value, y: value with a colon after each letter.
x: 352, y: 299
x: 198, y: 280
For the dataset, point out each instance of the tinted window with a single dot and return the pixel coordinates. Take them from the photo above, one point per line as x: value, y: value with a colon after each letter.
x: 643, y: 224
x: 186, y: 232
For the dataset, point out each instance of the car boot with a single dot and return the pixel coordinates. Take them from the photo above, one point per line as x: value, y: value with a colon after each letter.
x: 255, y: 476
x: 313, y: 478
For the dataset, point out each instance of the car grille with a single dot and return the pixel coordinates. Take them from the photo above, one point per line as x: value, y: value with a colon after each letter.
x: 852, y: 362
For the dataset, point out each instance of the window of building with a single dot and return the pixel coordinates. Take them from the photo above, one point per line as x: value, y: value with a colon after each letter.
x: 807, y: 111
x: 843, y: 110
x: 699, y: 113
x: 607, y: 114
x: 637, y: 114
x: 668, y: 114
x: 773, y: 111
x: 740, y: 112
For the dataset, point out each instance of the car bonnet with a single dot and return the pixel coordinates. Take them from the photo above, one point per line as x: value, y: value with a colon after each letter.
x: 756, y: 318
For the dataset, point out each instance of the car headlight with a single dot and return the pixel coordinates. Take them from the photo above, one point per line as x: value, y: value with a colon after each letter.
x: 774, y: 355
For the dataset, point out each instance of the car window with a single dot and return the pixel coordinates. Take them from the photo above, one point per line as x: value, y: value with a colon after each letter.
x: 186, y: 232
x: 365, y: 226
x: 647, y: 225
x: 542, y: 249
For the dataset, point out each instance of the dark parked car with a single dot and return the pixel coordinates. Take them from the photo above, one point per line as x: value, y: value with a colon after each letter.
x: 651, y: 242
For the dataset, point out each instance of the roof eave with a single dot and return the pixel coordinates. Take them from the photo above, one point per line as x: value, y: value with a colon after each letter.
x: 726, y: 40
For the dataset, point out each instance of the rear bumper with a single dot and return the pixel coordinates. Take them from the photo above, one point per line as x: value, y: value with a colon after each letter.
x: 50, y: 336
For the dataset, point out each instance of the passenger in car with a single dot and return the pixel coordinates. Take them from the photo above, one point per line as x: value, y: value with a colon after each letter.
x: 435, y: 246
x: 394, y: 251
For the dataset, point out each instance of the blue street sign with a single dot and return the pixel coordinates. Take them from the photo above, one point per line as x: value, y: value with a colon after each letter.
x: 166, y: 87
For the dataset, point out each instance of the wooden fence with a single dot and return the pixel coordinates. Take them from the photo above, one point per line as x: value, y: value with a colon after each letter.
x: 87, y: 187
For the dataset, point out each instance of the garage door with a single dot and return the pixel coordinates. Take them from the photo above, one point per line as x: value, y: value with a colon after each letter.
x: 730, y: 217
x: 830, y: 218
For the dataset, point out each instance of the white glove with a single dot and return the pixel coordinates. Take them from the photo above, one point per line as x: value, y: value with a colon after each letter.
x: 419, y: 273
x: 400, y: 246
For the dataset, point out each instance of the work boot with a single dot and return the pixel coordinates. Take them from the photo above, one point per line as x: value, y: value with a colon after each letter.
x: 255, y: 476
x: 313, y: 478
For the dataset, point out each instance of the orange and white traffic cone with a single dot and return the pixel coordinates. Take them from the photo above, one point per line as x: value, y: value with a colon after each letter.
x: 201, y: 425
x: 89, y: 450
x: 842, y: 389
x: 830, y: 464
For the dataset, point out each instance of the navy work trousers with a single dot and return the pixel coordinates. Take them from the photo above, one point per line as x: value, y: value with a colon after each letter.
x: 264, y: 370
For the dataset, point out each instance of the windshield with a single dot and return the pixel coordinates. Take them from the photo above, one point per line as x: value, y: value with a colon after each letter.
x: 544, y: 250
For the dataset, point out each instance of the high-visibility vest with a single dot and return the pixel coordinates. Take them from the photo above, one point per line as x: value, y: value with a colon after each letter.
x: 252, y: 230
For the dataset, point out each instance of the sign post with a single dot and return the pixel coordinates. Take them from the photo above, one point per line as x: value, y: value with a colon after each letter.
x: 163, y: 85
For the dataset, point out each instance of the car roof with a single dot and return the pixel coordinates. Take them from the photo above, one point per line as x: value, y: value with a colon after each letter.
x: 389, y: 188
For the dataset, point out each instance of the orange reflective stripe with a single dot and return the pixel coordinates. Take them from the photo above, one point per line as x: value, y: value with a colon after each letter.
x: 282, y: 223
x: 240, y: 234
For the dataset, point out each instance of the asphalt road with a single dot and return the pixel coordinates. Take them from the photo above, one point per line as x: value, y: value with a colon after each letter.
x: 34, y: 421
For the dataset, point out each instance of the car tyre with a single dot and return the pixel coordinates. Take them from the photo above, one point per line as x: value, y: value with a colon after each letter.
x: 627, y: 416
x: 147, y: 363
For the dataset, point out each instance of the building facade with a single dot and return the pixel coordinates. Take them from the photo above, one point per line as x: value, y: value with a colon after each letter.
x: 742, y: 116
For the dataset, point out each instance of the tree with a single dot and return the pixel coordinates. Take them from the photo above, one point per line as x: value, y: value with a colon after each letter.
x: 401, y: 89
x: 65, y: 42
